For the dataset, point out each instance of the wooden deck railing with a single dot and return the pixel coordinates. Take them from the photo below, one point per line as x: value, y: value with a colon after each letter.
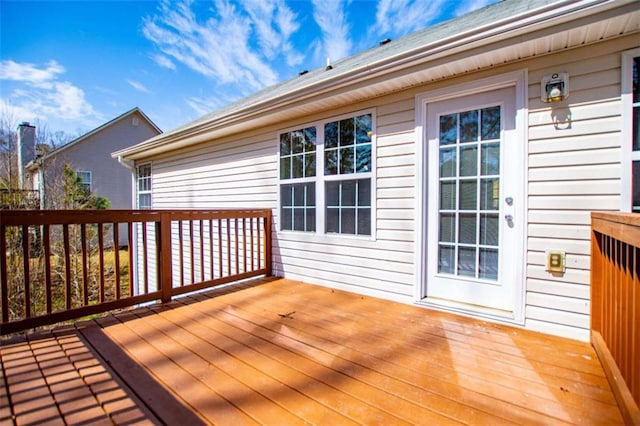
x: 615, y: 304
x: 63, y: 265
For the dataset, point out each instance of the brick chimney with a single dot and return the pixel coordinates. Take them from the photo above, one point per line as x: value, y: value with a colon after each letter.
x: 26, y: 149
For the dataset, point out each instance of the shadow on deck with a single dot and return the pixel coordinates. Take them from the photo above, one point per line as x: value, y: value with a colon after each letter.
x: 274, y: 351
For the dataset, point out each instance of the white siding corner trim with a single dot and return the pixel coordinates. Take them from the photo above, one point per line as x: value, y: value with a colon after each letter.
x: 517, y: 80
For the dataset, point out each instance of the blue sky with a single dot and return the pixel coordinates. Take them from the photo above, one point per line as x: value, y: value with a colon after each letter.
x: 74, y: 65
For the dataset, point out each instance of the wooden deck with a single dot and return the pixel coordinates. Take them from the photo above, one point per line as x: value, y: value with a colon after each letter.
x: 279, y: 352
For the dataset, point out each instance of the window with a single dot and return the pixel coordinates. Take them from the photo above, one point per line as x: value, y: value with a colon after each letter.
x: 631, y: 131
x: 144, y: 186
x: 326, y: 175
x: 85, y: 178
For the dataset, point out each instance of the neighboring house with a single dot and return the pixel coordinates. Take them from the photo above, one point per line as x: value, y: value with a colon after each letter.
x: 437, y: 169
x: 90, y: 157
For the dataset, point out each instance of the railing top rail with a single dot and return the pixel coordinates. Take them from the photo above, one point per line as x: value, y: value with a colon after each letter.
x: 624, y: 227
x: 62, y: 217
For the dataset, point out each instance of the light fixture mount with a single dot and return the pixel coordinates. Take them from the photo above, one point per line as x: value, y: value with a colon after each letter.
x: 554, y: 87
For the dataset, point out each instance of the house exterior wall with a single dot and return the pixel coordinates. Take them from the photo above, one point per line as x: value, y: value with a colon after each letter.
x: 573, y: 167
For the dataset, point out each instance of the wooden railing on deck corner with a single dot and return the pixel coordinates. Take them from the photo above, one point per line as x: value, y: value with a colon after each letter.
x: 615, y: 305
x: 59, y: 265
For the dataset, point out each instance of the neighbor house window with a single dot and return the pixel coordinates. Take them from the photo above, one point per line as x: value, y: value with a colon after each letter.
x: 326, y: 175
x: 144, y: 186
x: 85, y: 179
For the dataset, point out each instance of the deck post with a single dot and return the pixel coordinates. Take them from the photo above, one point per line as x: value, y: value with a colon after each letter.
x: 165, y: 278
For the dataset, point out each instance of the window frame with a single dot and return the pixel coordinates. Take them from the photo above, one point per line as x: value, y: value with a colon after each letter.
x: 320, y: 178
x: 80, y: 174
x: 144, y: 192
x: 628, y: 155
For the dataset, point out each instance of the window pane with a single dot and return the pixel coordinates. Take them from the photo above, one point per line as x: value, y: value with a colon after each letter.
x: 298, y: 195
x: 285, y: 144
x: 636, y: 79
x: 447, y: 195
x: 467, y: 261
x: 285, y: 168
x: 310, y: 165
x: 296, y: 166
x: 363, y: 158
x: 448, y: 129
x: 489, y: 229
x: 364, y: 192
x: 635, y: 185
x: 285, y: 195
x: 446, y: 259
x: 364, y: 221
x: 331, y: 162
x: 348, y: 221
x: 448, y: 163
x: 363, y: 128
x: 333, y: 220
x: 346, y: 160
x: 310, y: 139
x: 447, y: 227
x: 311, y: 194
x: 469, y: 160
x: 331, y: 135
x: 491, y: 123
x: 636, y: 129
x: 468, y: 194
x: 490, y: 161
x: 144, y: 201
x: 311, y: 219
x: 467, y: 229
x: 490, y: 194
x: 348, y: 193
x: 489, y: 264
x: 332, y: 194
x: 286, y: 219
x: 346, y: 132
x: 297, y: 145
x: 298, y: 219
x: 469, y: 126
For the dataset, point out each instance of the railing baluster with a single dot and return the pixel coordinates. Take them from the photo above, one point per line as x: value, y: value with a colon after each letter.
x: 220, y: 248
x: 145, y: 256
x: 116, y: 259
x: 251, y: 221
x: 180, y: 242
x: 244, y: 243
x: 85, y: 265
x: 26, y: 272
x: 46, y: 241
x: 211, y: 247
x: 191, y: 253
x: 201, y: 252
x: 4, y: 278
x: 236, y: 243
x: 228, y: 246
x: 131, y: 260
x: 67, y: 266
x: 101, y: 261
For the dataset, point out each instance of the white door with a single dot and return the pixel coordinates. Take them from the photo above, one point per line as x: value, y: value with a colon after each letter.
x: 474, y: 201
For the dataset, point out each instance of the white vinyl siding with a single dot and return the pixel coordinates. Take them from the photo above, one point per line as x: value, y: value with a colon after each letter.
x: 572, y: 169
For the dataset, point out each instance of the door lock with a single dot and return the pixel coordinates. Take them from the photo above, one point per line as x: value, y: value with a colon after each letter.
x: 508, y: 217
x: 509, y: 201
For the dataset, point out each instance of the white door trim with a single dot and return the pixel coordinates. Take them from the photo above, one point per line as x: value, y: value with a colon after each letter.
x: 518, y: 80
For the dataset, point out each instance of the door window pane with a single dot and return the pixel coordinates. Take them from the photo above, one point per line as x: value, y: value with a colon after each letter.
x: 448, y: 129
x: 467, y: 229
x: 469, y: 126
x: 490, y: 161
x: 447, y: 227
x: 447, y: 195
x: 488, y: 264
x: 491, y: 123
x: 469, y: 160
x: 489, y: 229
x: 446, y: 259
x: 468, y: 194
x: 490, y: 194
x: 467, y: 261
x: 448, y: 162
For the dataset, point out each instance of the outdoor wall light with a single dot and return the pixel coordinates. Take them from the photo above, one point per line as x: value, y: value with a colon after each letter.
x: 555, y: 87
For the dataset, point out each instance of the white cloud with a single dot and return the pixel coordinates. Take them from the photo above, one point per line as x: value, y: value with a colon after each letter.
x: 138, y: 86
x: 233, y: 45
x: 469, y: 6
x: 163, y: 61
x: 331, y: 18
x: 396, y: 18
x: 30, y: 73
x: 37, y: 93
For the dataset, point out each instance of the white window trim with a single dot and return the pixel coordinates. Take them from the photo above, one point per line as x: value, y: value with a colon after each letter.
x: 517, y: 79
x: 137, y: 185
x: 627, y: 155
x: 320, y: 177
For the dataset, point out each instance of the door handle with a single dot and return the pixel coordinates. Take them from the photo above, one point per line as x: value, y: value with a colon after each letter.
x: 508, y: 218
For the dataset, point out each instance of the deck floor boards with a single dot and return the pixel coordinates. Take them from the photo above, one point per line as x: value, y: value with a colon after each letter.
x: 275, y: 351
